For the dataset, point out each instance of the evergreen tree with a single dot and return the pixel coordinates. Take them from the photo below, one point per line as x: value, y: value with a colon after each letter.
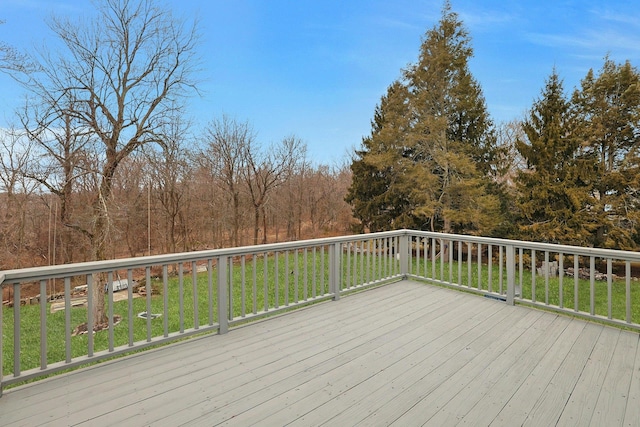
x: 378, y: 194
x: 452, y: 131
x: 428, y: 159
x: 609, y: 111
x: 554, y: 190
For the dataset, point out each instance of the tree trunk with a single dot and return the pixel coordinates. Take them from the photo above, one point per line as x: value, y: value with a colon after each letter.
x: 236, y: 220
x: 99, y: 248
x: 256, y: 223
x: 264, y: 225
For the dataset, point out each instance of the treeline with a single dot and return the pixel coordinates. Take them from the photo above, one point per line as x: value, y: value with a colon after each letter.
x: 219, y: 189
x: 567, y: 173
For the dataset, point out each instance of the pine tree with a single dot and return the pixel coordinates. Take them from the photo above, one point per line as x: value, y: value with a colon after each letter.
x: 554, y: 190
x: 378, y: 193
x: 609, y: 111
x: 428, y: 159
x: 452, y: 132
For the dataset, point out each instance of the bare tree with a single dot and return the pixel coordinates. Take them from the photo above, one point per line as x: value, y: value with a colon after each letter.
x: 224, y: 155
x: 12, y: 60
x: 267, y: 169
x: 118, y: 78
x: 15, y: 191
x: 170, y: 173
x: 62, y: 153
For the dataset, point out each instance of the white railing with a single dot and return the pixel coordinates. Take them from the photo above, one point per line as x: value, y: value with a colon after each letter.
x: 595, y: 284
x: 199, y: 292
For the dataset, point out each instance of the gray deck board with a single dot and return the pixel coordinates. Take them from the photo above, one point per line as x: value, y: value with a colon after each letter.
x: 402, y: 354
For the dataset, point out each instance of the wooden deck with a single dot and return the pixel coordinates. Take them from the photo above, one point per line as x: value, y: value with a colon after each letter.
x: 405, y: 354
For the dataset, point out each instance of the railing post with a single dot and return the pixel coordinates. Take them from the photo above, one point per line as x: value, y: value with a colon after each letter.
x: 223, y: 303
x: 403, y: 252
x: 335, y: 270
x: 511, y: 275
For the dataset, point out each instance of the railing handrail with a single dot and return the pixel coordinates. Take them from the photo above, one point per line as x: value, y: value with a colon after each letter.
x: 62, y: 270
x: 553, y: 247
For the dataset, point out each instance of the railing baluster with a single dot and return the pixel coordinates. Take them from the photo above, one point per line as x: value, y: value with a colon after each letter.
x: 181, y: 296
x: 370, y: 274
x: 296, y: 291
x: 230, y: 288
x: 546, y: 277
x: 609, y: 273
x: 377, y: 260
x: 254, y: 263
x: 286, y: 277
x: 489, y: 268
x: 315, y: 262
x: 511, y: 279
x: 521, y: 269
x: 276, y: 275
x: 149, y: 289
x: 442, y: 260
x: 469, y: 260
x: 223, y: 304
x: 67, y: 321
x: 305, y: 278
x: 165, y: 299
x: 433, y: 258
x: 90, y: 285
x: 243, y: 294
x: 43, y: 324
x: 383, y: 258
x: 110, y: 309
x: 459, y: 281
x: 479, y: 259
x: 210, y: 300
x: 265, y: 285
x: 130, y: 306
x: 627, y: 275
x: 194, y: 291
x: 450, y: 251
x: 500, y: 269
x: 576, y: 279
x: 355, y: 264
x: 390, y: 257
x: 561, y: 279
x: 322, y: 270
x: 362, y: 252
x: 348, y: 282
x: 592, y: 285
x: 16, y: 329
x: 533, y: 275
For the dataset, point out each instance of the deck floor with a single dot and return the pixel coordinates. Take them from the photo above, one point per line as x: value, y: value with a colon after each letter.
x: 406, y: 354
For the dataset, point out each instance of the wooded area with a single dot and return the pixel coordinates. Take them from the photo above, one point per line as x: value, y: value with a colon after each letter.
x: 180, y: 197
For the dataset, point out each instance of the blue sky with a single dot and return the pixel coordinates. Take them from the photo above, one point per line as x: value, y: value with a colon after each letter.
x: 317, y: 69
